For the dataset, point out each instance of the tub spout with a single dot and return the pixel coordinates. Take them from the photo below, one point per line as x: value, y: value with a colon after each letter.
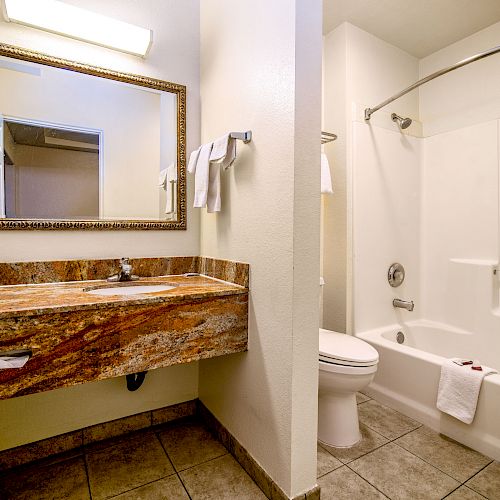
x: 404, y: 304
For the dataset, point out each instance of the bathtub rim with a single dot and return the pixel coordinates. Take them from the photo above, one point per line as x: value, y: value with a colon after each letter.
x: 376, y: 337
x: 483, y: 437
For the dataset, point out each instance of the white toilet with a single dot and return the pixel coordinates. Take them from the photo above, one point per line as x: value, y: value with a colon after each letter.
x: 346, y: 365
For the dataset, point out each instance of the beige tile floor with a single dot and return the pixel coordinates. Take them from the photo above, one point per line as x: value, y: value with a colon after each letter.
x: 176, y: 462
x: 400, y: 459
x: 397, y: 458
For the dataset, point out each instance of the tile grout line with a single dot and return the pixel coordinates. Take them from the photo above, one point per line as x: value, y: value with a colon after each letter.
x: 87, y: 474
x: 390, y: 440
x: 480, y: 470
x: 364, y: 479
x: 393, y: 440
x: 432, y: 465
x: 463, y: 485
x: 184, y: 486
x: 142, y: 485
x: 428, y: 463
x: 411, y: 453
x: 173, y: 466
x: 440, y: 470
x: 204, y: 462
x: 178, y: 472
x: 451, y: 492
x: 166, y: 453
x: 357, y: 458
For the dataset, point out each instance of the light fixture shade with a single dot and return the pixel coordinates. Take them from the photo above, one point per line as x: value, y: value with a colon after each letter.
x: 64, y: 19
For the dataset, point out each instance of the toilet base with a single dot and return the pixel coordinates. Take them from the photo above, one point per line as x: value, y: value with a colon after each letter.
x: 338, y: 424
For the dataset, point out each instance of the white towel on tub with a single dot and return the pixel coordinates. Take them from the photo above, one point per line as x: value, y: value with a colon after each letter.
x: 459, y: 388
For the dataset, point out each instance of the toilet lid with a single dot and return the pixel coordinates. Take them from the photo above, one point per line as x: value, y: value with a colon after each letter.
x: 345, y: 349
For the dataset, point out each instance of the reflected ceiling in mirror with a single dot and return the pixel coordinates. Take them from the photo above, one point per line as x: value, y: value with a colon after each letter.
x: 88, y: 148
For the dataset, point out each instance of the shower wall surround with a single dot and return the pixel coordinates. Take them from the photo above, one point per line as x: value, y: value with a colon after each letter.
x: 431, y: 202
x: 426, y: 196
x: 359, y: 70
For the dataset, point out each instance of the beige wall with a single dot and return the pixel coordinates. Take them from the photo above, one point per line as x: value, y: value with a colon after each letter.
x: 261, y: 67
x: 174, y: 56
x: 360, y: 70
x: 333, y: 210
x: 55, y: 183
x: 467, y: 96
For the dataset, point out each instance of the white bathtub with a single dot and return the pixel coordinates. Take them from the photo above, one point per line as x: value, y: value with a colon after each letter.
x: 408, y: 376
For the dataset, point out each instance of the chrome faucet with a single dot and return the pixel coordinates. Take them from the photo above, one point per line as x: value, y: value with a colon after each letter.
x: 404, y: 304
x: 125, y: 272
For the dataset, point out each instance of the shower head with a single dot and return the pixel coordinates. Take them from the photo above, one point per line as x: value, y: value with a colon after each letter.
x: 402, y: 122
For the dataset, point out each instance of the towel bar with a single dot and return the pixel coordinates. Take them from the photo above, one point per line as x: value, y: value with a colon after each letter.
x: 246, y: 137
x: 328, y: 137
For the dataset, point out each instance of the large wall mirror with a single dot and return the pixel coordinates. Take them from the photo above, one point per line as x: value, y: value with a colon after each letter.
x: 87, y: 148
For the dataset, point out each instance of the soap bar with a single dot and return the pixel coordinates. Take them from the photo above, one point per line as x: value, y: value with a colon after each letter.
x: 476, y: 365
x: 462, y: 362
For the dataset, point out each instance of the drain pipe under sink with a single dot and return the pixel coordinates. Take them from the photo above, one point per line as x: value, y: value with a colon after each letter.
x: 135, y: 380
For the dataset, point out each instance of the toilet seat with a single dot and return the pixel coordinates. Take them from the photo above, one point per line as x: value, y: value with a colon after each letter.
x: 346, y: 369
x: 339, y: 349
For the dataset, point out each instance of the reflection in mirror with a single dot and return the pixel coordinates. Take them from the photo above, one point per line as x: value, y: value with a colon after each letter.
x: 80, y: 147
x: 50, y: 173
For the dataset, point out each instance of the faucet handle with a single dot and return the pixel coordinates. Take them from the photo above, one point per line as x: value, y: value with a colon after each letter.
x: 125, y: 264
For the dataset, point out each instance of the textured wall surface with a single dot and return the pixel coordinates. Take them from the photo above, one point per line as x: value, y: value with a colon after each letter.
x: 268, y: 80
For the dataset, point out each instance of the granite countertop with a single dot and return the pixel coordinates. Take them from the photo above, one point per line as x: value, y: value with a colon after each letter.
x: 32, y: 300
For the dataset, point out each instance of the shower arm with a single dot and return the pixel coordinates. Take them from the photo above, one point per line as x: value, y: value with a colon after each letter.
x: 464, y: 62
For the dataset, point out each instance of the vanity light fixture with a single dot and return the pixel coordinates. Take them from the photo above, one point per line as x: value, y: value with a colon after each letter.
x: 64, y: 19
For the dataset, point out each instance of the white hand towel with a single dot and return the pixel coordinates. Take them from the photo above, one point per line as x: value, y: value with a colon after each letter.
x: 459, y: 388
x: 222, y: 156
x: 170, y: 179
x: 193, y: 160
x: 201, y: 176
x: 162, y: 179
x: 13, y: 362
x: 224, y: 151
x: 214, y: 199
x: 326, y: 179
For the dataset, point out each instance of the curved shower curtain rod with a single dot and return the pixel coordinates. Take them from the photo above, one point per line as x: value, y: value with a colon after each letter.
x: 464, y: 62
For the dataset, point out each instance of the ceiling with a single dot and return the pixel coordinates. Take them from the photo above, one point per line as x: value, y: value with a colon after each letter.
x: 32, y: 135
x: 419, y: 27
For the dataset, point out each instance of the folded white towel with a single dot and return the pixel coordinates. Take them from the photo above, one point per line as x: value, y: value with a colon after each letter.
x: 201, y: 176
x: 13, y: 362
x: 224, y: 151
x: 459, y: 388
x: 213, y: 198
x: 326, y: 179
x: 193, y: 160
x: 167, y: 179
x: 162, y: 179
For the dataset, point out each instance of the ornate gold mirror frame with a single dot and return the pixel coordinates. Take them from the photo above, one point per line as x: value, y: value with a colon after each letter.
x: 179, y: 90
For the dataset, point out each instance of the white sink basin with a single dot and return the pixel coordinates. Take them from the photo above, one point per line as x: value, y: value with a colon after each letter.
x: 130, y: 289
